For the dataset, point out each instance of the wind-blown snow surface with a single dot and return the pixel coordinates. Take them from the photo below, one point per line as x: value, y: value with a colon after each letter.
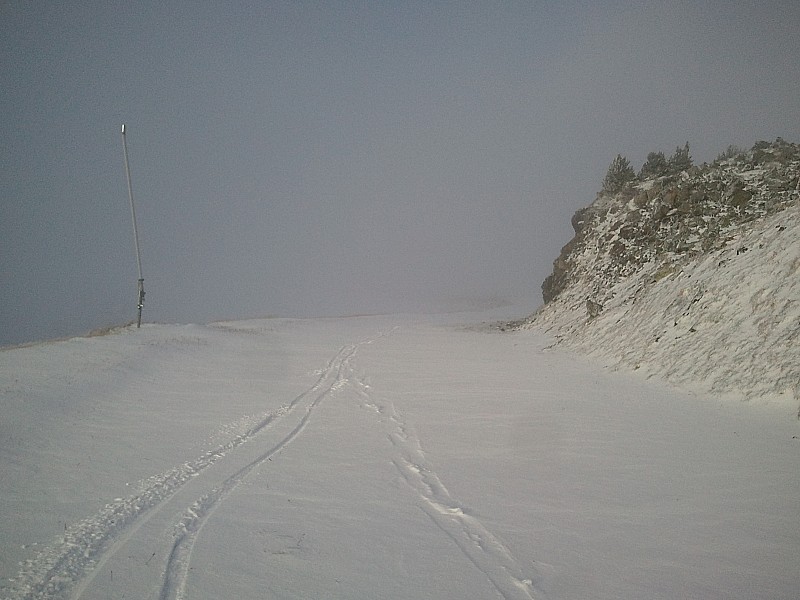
x: 380, y: 457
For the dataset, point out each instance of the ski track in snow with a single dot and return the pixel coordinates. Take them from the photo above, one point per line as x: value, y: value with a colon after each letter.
x: 187, y: 531
x: 67, y: 568
x: 478, y: 544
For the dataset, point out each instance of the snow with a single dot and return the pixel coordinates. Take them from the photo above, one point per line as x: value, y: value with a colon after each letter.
x: 381, y: 457
x: 727, y: 321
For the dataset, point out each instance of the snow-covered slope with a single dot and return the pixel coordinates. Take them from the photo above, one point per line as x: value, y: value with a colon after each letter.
x: 380, y: 457
x: 695, y: 280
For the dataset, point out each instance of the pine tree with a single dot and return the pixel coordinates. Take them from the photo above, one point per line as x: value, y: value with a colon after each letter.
x: 655, y: 166
x: 730, y: 152
x: 680, y: 161
x: 619, y: 174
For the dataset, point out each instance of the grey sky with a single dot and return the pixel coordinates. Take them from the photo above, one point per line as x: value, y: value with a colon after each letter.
x: 320, y: 158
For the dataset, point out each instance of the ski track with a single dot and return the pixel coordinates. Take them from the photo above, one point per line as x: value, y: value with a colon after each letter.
x: 66, y: 568
x: 187, y: 531
x: 177, y: 569
x: 475, y: 541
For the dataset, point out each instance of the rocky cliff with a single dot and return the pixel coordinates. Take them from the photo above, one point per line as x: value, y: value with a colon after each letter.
x: 694, y: 276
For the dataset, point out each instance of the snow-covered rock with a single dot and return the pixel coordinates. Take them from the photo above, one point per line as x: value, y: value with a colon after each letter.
x: 694, y: 278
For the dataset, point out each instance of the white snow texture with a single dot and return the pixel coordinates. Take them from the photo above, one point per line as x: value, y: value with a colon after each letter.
x: 382, y: 457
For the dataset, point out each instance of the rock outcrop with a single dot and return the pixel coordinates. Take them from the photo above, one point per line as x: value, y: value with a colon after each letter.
x: 694, y: 277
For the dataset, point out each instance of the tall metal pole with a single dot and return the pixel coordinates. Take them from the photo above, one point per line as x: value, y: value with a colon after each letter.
x: 140, y: 301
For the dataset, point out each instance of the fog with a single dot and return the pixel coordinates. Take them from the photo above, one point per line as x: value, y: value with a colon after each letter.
x: 310, y: 158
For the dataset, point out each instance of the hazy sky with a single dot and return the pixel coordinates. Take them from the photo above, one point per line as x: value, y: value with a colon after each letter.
x: 322, y: 158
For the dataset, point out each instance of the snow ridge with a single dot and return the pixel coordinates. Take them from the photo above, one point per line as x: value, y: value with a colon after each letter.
x: 479, y: 545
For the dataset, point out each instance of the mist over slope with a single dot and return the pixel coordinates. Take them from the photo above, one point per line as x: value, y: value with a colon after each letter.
x: 692, y: 276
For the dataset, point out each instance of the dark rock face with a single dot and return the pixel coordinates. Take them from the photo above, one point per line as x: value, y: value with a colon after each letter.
x: 671, y: 217
x: 562, y: 267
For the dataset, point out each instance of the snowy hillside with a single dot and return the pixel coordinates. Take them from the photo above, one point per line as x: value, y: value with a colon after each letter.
x: 695, y: 278
x: 380, y: 457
